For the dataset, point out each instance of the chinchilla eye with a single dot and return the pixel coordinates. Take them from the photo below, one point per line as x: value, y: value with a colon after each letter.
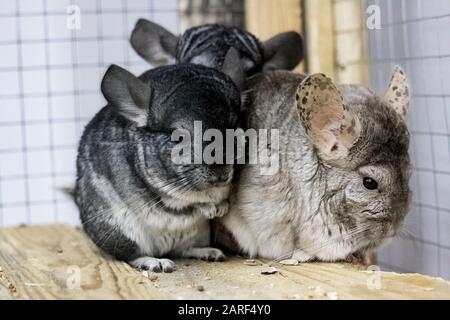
x: 369, y: 183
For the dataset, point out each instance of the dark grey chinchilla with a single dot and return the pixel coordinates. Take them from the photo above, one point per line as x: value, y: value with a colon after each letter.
x: 342, y: 184
x: 208, y: 44
x: 135, y: 203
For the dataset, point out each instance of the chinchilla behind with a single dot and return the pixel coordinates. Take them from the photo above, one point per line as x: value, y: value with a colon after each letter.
x: 342, y: 185
x: 208, y: 44
x: 135, y: 202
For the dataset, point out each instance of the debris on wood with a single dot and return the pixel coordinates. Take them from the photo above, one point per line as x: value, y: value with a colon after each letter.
x: 319, y: 292
x: 29, y: 284
x: 150, y: 275
x: 269, y: 270
x: 59, y: 250
x: 289, y: 262
x: 200, y: 288
x: 7, y: 282
x: 252, y: 262
x: 316, y: 292
x: 429, y: 289
x: 153, y: 276
x: 332, y: 295
x: 207, y: 278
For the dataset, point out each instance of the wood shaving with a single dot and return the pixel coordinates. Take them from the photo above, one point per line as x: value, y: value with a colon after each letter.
x: 332, y: 295
x: 30, y: 284
x: 289, y: 262
x: 153, y: 276
x: 269, y: 270
x: 150, y: 275
x: 429, y: 289
x: 252, y: 262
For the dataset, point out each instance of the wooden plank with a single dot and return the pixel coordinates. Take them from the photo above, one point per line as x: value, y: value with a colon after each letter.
x: 319, y: 29
x: 42, y: 262
x: 336, y: 39
x: 266, y: 18
x: 37, y: 263
x: 351, y: 41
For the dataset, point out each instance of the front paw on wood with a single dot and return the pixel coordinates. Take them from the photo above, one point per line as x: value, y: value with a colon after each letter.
x: 153, y: 264
x: 207, y: 254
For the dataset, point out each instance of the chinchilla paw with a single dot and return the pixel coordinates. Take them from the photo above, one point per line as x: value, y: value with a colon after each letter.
x: 153, y: 264
x: 207, y: 254
x: 209, y: 210
x: 222, y: 209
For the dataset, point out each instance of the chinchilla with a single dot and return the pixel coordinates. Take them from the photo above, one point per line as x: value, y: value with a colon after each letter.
x: 135, y: 202
x: 342, y: 187
x: 208, y: 44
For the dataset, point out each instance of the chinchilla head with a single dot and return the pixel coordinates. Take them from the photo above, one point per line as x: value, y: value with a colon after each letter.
x: 208, y: 44
x: 170, y: 99
x: 361, y: 143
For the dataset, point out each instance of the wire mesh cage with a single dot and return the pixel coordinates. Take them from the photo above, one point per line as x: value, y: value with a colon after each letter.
x: 414, y: 34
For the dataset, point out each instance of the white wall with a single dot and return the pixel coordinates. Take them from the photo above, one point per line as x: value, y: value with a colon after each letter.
x: 49, y: 89
x: 416, y: 35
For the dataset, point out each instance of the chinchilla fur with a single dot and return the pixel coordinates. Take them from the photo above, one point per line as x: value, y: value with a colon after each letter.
x: 342, y: 184
x: 208, y: 44
x: 135, y: 203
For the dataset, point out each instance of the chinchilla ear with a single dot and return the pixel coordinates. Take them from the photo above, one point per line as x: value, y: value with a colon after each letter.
x: 232, y: 66
x: 332, y: 128
x: 397, y: 94
x: 154, y: 43
x: 128, y: 95
x: 283, y: 52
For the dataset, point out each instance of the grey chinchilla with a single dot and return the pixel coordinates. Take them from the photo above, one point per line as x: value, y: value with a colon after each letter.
x: 208, y: 44
x: 342, y: 187
x: 135, y: 203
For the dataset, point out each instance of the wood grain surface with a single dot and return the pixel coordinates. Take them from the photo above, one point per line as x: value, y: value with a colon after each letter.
x: 60, y: 262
